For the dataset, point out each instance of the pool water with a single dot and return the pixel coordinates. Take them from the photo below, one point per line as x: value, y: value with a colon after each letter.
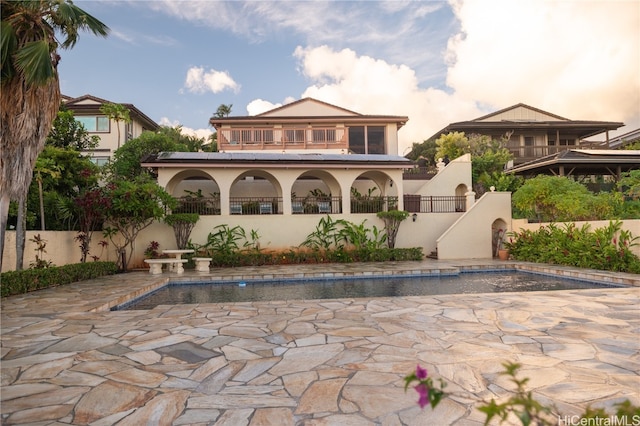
x: 263, y: 290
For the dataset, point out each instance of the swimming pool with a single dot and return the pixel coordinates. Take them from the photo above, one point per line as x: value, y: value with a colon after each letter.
x: 343, y: 288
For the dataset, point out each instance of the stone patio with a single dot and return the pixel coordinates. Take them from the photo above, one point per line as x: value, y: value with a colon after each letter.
x: 67, y: 359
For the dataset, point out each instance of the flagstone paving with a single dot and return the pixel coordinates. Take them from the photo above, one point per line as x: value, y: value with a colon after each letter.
x: 67, y: 359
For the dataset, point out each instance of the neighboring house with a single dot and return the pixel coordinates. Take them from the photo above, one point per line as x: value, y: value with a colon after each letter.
x: 86, y: 109
x: 280, y: 172
x: 620, y: 142
x: 533, y: 133
x: 309, y: 125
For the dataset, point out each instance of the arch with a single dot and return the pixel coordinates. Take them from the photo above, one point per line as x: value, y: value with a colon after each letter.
x: 316, y: 191
x: 255, y: 191
x: 498, y: 234
x: 461, y: 202
x: 199, y: 180
x: 368, y: 198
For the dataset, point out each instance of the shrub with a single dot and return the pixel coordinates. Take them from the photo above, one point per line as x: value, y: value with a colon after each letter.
x: 17, y: 282
x: 607, y: 248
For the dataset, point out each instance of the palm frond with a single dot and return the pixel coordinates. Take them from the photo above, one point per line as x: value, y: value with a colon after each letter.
x: 34, y: 61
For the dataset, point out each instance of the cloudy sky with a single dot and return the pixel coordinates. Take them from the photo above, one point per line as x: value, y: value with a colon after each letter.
x: 434, y: 61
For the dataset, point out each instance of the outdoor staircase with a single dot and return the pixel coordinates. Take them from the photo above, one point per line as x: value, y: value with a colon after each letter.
x: 433, y: 255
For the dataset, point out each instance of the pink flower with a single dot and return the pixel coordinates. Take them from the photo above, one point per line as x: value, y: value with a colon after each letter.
x: 423, y: 391
x: 421, y: 373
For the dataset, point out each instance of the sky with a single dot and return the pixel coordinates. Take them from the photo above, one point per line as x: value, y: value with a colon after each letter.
x: 436, y: 62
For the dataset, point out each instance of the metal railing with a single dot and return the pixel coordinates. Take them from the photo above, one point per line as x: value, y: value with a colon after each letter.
x: 435, y: 204
x: 255, y: 205
x: 204, y: 206
x: 283, y: 138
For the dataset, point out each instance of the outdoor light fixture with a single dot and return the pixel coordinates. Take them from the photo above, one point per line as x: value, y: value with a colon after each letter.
x: 414, y: 216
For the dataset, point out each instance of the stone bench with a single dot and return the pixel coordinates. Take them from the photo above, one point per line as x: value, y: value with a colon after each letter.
x: 202, y: 263
x: 155, y: 265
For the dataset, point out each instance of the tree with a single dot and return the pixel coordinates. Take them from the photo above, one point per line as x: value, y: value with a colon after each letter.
x: 223, y: 111
x: 30, y: 89
x: 69, y: 133
x: 135, y: 204
x: 424, y: 152
x: 192, y: 143
x: 117, y: 113
x: 48, y: 167
x: 126, y: 159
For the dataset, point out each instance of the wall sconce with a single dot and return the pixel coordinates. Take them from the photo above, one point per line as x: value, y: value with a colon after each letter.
x: 414, y: 217
x: 390, y: 183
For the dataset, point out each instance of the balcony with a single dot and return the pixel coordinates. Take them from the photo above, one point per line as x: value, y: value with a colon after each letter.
x: 238, y: 139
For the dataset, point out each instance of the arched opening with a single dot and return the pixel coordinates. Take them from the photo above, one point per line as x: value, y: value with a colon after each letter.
x: 498, y: 235
x: 255, y: 192
x: 373, y: 192
x: 196, y: 192
x: 461, y: 200
x: 316, y: 191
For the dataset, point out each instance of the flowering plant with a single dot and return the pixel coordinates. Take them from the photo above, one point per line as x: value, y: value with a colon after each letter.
x: 428, y: 393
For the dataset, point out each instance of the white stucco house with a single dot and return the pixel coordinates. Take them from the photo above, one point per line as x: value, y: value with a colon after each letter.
x: 278, y: 172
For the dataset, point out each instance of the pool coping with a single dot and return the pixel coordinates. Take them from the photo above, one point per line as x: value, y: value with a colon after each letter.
x: 622, y: 280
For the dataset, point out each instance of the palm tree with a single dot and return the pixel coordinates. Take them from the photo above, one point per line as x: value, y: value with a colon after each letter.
x: 223, y: 110
x: 30, y: 88
x: 117, y: 113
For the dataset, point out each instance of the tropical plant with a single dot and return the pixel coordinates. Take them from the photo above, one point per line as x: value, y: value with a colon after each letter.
x: 325, y: 236
x: 117, y: 113
x: 358, y: 236
x: 392, y: 220
x: 41, y: 244
x: 223, y: 110
x: 134, y: 206
x: 31, y: 32
x: 126, y: 159
x: 182, y: 224
x: 44, y: 166
x: 69, y: 133
x: 560, y: 199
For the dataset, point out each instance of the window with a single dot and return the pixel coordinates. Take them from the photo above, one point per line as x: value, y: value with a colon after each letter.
x: 294, y: 135
x: 367, y: 140
x: 92, y: 123
x: 100, y: 161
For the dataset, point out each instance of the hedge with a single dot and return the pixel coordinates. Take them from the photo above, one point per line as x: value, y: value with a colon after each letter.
x: 17, y: 282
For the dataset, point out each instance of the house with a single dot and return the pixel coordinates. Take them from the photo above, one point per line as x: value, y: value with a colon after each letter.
x: 278, y: 173
x: 533, y: 133
x: 86, y: 109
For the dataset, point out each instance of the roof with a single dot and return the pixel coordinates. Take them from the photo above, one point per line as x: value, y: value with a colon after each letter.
x: 88, y: 104
x: 237, y: 159
x: 581, y: 162
x: 308, y: 111
x: 538, y: 120
x: 624, y: 139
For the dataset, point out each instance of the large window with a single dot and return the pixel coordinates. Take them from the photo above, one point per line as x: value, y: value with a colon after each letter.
x: 94, y: 123
x: 367, y: 140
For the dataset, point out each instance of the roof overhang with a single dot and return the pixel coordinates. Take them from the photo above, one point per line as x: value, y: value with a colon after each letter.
x: 273, y: 160
x: 217, y: 122
x: 581, y: 162
x: 582, y: 129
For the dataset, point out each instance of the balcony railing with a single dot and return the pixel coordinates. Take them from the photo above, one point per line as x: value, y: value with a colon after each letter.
x: 255, y: 205
x: 320, y: 205
x: 282, y: 138
x: 435, y: 204
x: 204, y: 206
x: 316, y: 205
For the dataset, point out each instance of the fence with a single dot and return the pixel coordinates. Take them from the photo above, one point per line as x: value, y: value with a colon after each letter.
x: 435, y: 204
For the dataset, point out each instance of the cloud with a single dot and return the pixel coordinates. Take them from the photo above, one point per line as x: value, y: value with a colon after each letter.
x: 576, y: 59
x: 373, y: 86
x: 199, y: 81
x: 258, y: 106
x: 200, y: 133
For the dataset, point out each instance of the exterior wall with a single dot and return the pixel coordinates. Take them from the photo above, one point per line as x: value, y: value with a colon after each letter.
x: 61, y: 249
x: 456, y: 173
x: 471, y: 237
x: 307, y: 109
x: 522, y: 113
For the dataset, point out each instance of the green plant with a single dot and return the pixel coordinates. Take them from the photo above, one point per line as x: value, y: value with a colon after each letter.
x: 358, y: 235
x: 521, y: 403
x: 41, y: 243
x: 17, y: 282
x: 392, y: 220
x: 607, y: 248
x: 325, y: 236
x: 151, y: 252
x: 182, y: 224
